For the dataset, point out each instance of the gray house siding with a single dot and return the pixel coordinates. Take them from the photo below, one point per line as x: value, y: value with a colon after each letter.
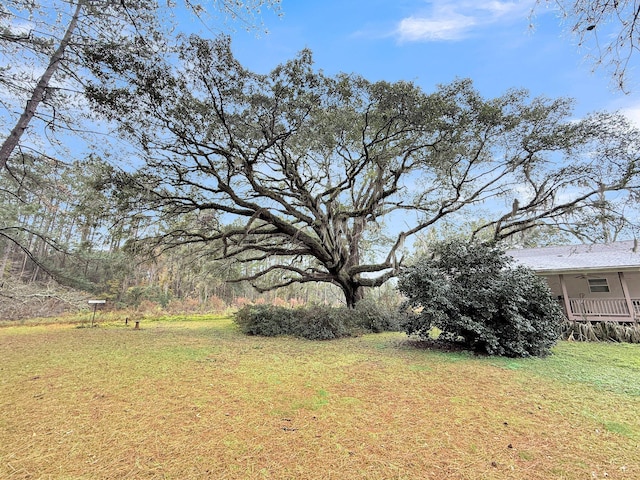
x: 580, y: 275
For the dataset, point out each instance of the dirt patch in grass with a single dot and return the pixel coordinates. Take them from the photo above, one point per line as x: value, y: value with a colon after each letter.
x: 199, y: 400
x: 434, y: 345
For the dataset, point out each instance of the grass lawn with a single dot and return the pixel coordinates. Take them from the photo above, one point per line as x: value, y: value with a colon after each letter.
x: 196, y: 399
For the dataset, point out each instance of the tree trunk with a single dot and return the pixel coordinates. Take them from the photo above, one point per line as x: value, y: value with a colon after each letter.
x: 38, y: 94
x: 353, y: 293
x: 5, y: 260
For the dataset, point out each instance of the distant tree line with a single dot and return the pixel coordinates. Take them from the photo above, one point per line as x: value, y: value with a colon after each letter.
x: 65, y: 222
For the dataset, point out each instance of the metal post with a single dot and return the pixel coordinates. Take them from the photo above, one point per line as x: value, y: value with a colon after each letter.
x: 95, y: 307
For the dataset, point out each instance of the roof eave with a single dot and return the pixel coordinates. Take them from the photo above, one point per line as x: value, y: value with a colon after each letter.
x: 609, y: 269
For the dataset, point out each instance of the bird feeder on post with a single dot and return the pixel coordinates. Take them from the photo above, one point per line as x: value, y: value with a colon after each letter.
x: 95, y: 304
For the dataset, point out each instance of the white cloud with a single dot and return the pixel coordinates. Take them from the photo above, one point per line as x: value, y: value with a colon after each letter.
x: 418, y: 29
x: 633, y: 114
x: 499, y: 9
x: 450, y: 20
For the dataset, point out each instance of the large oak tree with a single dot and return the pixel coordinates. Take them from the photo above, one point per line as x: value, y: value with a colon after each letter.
x: 323, y: 178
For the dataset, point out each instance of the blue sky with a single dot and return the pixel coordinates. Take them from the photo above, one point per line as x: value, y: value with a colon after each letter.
x: 433, y: 42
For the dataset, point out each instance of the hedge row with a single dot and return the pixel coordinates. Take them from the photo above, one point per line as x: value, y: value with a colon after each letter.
x: 318, y: 322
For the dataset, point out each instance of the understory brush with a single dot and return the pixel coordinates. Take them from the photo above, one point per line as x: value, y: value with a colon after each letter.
x: 318, y: 322
x: 601, y: 332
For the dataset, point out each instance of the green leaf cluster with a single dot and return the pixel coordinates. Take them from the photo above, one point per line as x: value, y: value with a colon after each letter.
x: 317, y: 322
x: 472, y: 293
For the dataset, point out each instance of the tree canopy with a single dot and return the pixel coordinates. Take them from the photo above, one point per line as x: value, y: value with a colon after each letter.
x: 48, y: 49
x: 302, y: 171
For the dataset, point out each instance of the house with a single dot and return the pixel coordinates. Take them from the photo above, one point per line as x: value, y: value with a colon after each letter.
x: 593, y: 282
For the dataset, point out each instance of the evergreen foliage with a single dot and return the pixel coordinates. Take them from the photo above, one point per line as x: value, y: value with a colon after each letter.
x: 472, y: 293
x: 317, y: 322
x: 375, y: 317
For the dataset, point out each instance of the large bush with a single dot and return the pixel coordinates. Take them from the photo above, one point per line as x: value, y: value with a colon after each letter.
x: 264, y: 320
x: 321, y: 323
x: 317, y: 322
x: 371, y: 316
x: 475, y: 296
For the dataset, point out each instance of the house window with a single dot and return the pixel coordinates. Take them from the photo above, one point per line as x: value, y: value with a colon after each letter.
x: 598, y: 285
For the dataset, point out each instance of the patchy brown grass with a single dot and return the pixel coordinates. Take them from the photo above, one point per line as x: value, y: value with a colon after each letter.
x: 199, y: 400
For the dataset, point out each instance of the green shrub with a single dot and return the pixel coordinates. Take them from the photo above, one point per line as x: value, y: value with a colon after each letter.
x: 317, y: 322
x: 313, y: 323
x: 371, y: 316
x: 475, y: 297
x: 264, y: 320
x: 322, y: 323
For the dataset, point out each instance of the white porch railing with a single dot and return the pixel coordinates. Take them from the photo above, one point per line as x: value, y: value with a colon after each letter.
x: 613, y: 309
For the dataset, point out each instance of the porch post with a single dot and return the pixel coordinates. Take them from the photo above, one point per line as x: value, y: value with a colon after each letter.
x: 565, y: 298
x: 627, y: 296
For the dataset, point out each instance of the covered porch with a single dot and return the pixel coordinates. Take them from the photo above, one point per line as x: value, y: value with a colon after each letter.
x: 590, y: 308
x: 593, y: 283
x: 601, y: 310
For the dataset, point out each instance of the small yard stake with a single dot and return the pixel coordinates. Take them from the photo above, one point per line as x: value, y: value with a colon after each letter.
x: 95, y: 307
